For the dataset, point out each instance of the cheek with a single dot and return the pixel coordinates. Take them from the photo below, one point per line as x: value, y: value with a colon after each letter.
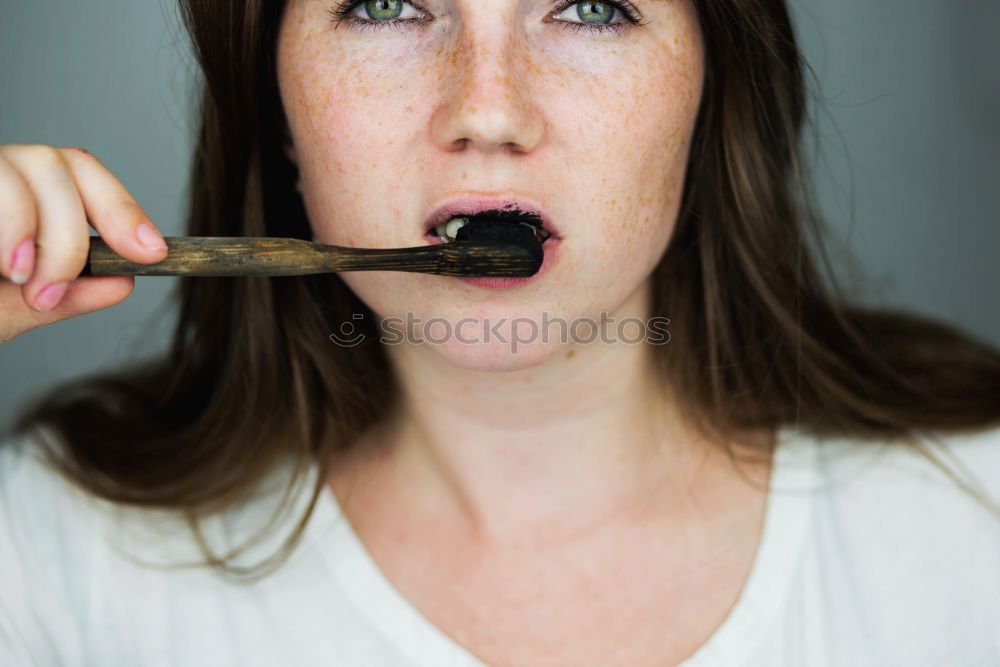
x: 354, y: 125
x: 636, y: 179
x: 668, y: 107
x: 356, y: 169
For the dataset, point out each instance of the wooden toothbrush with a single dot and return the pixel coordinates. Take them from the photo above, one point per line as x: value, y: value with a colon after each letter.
x: 499, y: 249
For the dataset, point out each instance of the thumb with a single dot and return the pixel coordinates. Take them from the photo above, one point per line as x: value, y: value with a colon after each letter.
x: 84, y: 295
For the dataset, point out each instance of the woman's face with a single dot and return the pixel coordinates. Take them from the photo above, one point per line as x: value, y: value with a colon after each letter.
x: 536, y: 101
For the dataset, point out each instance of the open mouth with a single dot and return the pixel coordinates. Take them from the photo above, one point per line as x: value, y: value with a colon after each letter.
x: 447, y: 231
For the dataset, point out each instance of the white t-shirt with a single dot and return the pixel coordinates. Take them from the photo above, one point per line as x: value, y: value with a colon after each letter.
x: 890, y: 565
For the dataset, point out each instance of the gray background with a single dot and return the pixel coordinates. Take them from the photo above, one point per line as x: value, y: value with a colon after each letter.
x: 908, y: 128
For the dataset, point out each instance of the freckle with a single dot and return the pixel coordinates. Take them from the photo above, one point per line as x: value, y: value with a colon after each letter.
x: 408, y: 109
x: 465, y: 175
x: 570, y: 354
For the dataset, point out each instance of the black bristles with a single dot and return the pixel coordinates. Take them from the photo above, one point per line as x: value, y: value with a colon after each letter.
x: 522, y: 246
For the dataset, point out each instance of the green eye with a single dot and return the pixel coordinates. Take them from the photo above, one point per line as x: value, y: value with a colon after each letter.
x: 384, y: 9
x: 585, y: 11
x: 377, y: 13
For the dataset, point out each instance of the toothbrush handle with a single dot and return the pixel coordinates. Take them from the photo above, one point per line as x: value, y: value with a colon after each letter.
x: 266, y: 256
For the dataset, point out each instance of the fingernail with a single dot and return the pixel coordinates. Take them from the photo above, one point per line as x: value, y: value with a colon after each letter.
x: 149, y: 237
x: 50, y: 296
x: 20, y: 263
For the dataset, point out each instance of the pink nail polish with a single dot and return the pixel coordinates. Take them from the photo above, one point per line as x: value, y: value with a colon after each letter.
x: 21, y: 261
x: 50, y: 296
x: 149, y: 237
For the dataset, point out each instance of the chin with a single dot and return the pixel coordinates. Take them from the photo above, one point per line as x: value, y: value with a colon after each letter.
x: 488, y: 330
x: 495, y: 356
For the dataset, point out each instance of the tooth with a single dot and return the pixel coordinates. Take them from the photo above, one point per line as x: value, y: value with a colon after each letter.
x: 540, y: 234
x: 453, y: 225
x: 447, y: 231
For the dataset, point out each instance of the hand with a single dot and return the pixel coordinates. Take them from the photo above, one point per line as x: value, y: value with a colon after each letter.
x: 47, y: 196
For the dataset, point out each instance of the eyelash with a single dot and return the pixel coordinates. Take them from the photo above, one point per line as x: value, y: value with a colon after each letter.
x: 342, y: 13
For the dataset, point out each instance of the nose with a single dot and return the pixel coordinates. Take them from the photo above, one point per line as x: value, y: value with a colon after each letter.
x: 487, y: 101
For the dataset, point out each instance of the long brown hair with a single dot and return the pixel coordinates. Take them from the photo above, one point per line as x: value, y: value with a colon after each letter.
x: 759, y: 338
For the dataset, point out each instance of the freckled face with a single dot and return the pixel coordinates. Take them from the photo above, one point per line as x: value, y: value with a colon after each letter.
x: 494, y: 98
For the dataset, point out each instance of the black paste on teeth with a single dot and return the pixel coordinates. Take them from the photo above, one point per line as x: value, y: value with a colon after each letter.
x: 511, y: 214
x: 498, y: 231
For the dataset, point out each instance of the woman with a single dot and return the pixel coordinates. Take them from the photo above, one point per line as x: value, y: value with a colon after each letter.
x: 755, y: 487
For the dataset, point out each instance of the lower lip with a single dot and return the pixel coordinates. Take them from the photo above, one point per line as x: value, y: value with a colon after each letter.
x: 550, y: 253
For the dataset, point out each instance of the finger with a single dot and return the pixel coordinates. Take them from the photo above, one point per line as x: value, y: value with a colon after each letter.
x: 61, y: 241
x: 17, y: 231
x: 112, y: 210
x: 85, y: 294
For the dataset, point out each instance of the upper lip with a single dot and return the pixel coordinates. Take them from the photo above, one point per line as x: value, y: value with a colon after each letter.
x: 472, y: 204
